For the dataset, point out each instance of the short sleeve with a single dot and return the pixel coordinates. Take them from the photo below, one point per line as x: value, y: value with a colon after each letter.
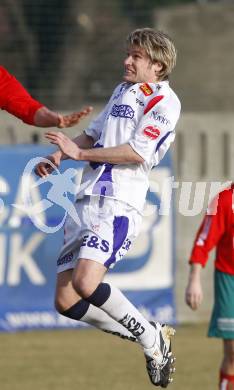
x: 95, y: 128
x: 155, y: 131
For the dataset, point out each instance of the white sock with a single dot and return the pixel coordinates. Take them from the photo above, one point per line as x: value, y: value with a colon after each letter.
x: 97, y: 317
x: 121, y: 309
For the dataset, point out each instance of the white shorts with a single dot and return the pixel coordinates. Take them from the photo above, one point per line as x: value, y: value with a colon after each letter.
x: 105, y: 232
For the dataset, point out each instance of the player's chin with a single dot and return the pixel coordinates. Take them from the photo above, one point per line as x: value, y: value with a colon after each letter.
x: 129, y: 78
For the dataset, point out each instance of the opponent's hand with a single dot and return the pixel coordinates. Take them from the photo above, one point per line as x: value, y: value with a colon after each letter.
x: 66, y: 145
x: 194, y: 294
x: 74, y: 118
x: 44, y: 169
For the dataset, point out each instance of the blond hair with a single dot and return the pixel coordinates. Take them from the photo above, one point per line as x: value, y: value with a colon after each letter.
x: 157, y: 45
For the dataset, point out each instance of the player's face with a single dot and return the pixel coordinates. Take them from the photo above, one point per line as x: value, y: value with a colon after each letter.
x: 138, y: 67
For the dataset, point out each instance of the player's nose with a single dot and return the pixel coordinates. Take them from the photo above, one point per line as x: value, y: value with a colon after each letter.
x: 128, y: 61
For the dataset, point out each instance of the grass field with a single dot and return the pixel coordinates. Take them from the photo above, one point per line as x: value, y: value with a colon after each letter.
x: 92, y: 360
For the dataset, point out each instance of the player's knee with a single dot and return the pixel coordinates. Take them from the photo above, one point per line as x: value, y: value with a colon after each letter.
x: 230, y: 356
x: 61, y: 304
x: 84, y: 286
x: 229, y: 352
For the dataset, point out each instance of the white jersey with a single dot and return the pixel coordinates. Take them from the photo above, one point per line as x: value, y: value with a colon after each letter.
x: 144, y: 115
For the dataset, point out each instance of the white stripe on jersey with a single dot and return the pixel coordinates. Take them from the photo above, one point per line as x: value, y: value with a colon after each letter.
x: 205, y: 231
x: 224, y: 384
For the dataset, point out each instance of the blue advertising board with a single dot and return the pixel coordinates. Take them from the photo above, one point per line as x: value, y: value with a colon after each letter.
x: 28, y: 251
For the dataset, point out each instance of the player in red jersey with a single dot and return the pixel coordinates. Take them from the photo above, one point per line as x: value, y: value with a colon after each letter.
x: 217, y: 230
x: 17, y: 101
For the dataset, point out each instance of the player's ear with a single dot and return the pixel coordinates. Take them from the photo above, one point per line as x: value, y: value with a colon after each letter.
x: 158, y: 66
x: 158, y: 69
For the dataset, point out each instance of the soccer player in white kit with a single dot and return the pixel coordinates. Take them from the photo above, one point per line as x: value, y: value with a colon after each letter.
x: 128, y: 138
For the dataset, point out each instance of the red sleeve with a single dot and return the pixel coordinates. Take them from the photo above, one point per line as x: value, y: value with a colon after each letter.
x: 210, y: 231
x: 15, y: 99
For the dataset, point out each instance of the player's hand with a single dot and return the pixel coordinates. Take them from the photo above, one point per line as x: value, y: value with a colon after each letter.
x: 66, y: 145
x: 44, y: 168
x: 74, y: 118
x: 194, y: 294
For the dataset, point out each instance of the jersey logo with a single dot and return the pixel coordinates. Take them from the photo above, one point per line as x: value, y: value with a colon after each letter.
x: 160, y: 118
x: 93, y: 241
x: 146, y: 89
x: 138, y: 101
x: 65, y: 259
x: 123, y: 111
x: 152, y: 103
x: 151, y: 132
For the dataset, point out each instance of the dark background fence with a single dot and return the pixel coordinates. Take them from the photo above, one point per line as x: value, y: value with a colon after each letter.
x: 69, y: 52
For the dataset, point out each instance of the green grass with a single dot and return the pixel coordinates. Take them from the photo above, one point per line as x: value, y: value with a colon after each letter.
x: 92, y: 360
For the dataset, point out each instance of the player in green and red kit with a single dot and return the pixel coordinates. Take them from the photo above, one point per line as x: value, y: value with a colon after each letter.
x: 217, y: 230
x: 17, y: 101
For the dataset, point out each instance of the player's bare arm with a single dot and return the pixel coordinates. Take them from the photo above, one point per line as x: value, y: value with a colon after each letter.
x: 44, y: 168
x: 121, y: 154
x: 47, y: 118
x: 21, y: 104
x: 193, y: 293
x: 84, y: 141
